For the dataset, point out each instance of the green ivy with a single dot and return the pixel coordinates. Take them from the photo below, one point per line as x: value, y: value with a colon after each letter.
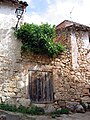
x: 39, y: 39
x: 33, y: 110
x: 57, y: 113
x: 8, y: 107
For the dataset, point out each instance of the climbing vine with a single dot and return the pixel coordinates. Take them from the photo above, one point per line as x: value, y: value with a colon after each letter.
x: 39, y: 39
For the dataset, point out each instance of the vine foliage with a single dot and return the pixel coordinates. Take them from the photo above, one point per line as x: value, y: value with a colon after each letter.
x: 39, y: 39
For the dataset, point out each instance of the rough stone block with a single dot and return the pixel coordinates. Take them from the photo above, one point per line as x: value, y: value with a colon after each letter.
x: 61, y: 103
x: 49, y: 108
x: 24, y: 102
x: 2, y: 117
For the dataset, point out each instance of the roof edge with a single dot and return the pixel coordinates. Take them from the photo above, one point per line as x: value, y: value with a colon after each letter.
x: 73, y: 24
x: 15, y: 2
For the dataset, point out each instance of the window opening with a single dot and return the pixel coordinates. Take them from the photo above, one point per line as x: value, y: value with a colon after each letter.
x: 89, y: 39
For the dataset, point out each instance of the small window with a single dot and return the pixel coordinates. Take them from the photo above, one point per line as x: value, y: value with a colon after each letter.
x: 89, y: 90
x: 40, y: 86
x: 89, y: 39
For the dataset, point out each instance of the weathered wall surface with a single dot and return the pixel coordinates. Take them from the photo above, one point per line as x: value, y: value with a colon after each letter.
x: 71, y: 69
x: 83, y: 57
x: 9, y: 53
x: 75, y: 74
x: 69, y: 83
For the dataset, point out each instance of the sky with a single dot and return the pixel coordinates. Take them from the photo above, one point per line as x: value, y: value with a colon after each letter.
x: 56, y: 11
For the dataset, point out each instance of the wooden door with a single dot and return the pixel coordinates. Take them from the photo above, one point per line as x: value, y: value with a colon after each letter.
x: 40, y: 86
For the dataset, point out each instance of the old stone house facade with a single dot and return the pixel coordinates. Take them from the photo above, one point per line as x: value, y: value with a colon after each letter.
x: 76, y: 37
x: 26, y: 78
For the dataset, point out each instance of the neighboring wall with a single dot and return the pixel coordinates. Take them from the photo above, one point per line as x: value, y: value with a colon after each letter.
x: 83, y: 61
x: 75, y: 78
x: 10, y: 49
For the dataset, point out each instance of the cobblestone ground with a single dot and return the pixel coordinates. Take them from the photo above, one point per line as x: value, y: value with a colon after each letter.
x: 16, y: 116
x: 76, y: 116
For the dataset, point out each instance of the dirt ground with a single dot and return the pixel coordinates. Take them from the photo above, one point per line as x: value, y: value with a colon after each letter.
x: 18, y: 116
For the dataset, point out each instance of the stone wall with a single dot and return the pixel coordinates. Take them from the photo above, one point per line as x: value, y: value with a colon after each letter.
x: 75, y: 73
x: 71, y: 69
x: 70, y: 79
x: 68, y: 83
x: 10, y: 52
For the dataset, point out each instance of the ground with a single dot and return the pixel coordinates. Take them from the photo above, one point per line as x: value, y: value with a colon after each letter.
x: 18, y: 116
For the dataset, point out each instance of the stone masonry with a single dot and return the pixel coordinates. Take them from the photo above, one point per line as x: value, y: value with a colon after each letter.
x: 71, y: 69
